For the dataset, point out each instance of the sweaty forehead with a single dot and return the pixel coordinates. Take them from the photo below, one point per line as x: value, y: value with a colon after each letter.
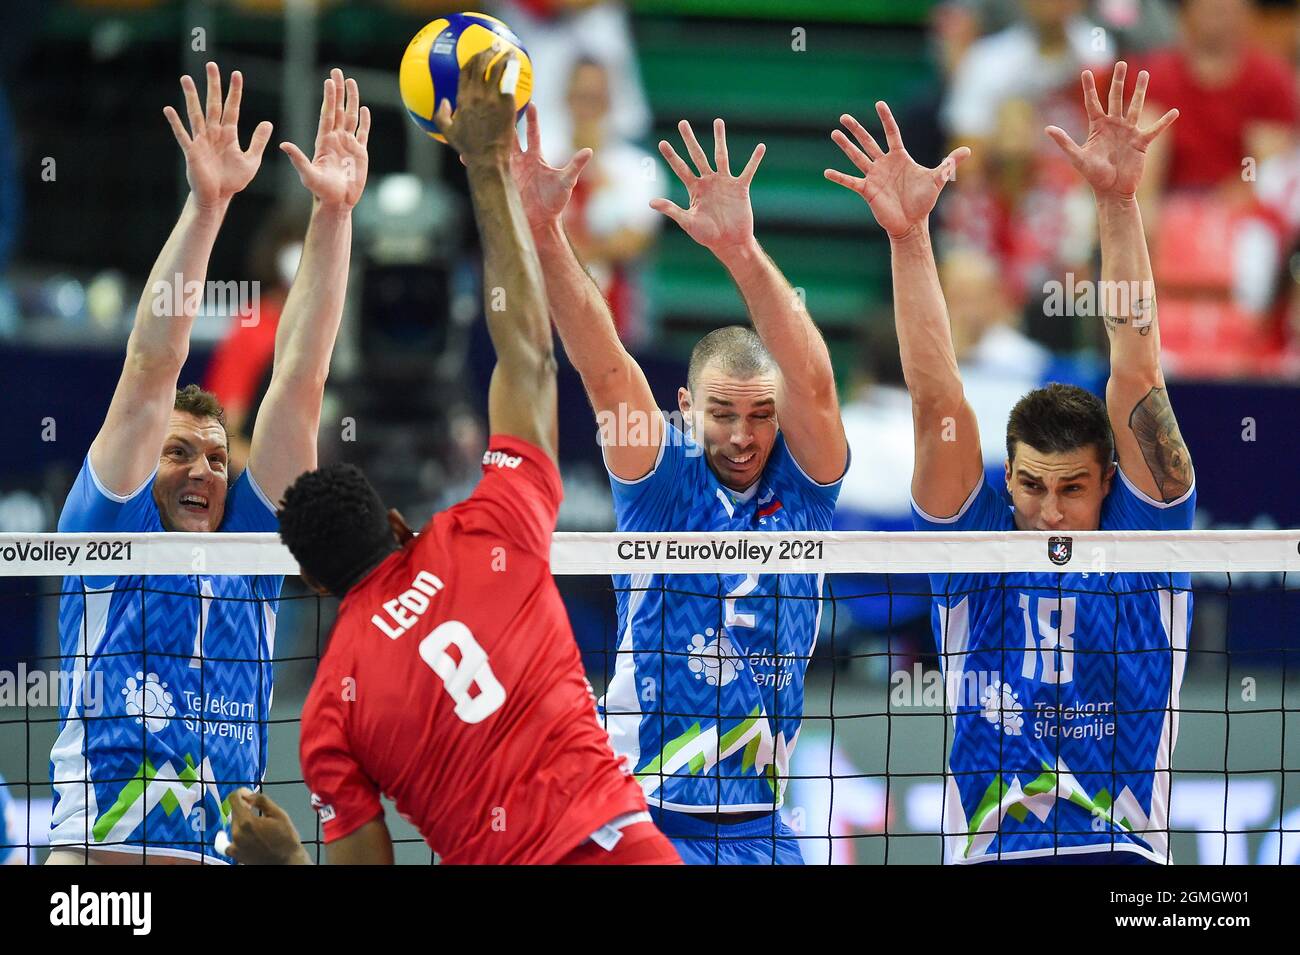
x: 715, y: 385
x: 1059, y: 464
x: 204, y: 432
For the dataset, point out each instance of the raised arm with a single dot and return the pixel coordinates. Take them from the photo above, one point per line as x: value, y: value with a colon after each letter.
x: 126, y: 450
x: 720, y: 218
x: 521, y: 396
x: 1150, y: 448
x: 615, y: 385
x: 901, y: 194
x: 284, y: 435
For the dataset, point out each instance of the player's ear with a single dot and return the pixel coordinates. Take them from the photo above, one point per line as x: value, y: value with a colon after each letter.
x: 1107, y: 477
x: 401, y: 530
x: 684, y: 403
x: 1006, y: 473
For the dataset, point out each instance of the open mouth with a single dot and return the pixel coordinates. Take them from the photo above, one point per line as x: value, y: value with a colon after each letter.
x: 739, y: 462
x: 194, y: 503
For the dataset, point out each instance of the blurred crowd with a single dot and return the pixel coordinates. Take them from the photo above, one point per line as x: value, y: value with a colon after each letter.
x: 1219, y: 199
x: 1017, y: 229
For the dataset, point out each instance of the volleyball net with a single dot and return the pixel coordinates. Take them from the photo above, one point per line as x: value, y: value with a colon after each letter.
x: 898, y: 697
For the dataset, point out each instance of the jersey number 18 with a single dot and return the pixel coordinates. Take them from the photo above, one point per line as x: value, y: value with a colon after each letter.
x: 1054, y: 645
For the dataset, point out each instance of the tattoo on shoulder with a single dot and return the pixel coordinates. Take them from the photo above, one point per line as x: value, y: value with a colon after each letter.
x: 1152, y: 423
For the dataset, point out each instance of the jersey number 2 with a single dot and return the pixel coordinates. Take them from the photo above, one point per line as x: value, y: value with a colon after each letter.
x: 470, y: 682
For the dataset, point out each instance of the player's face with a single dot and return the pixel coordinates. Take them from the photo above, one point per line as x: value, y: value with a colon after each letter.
x: 1057, y: 492
x: 190, y: 489
x: 734, y: 421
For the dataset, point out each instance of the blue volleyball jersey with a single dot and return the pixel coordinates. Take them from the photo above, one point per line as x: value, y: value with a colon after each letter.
x: 706, y: 697
x: 1063, y: 691
x: 177, y: 720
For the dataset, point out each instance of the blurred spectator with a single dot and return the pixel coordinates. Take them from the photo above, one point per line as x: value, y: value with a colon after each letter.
x: 1018, y: 200
x: 240, y: 369
x: 1275, y: 269
x: 1138, y: 24
x: 956, y: 24
x: 609, y: 219
x: 878, y: 424
x: 1218, y: 242
x: 1234, y: 101
x: 875, y: 496
x: 1034, y: 59
x: 559, y: 33
x: 999, y: 363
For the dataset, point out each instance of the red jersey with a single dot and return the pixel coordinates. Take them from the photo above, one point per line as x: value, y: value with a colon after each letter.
x: 452, y: 684
x: 1208, y: 141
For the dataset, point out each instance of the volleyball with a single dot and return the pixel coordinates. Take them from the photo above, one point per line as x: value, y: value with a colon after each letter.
x: 431, y: 66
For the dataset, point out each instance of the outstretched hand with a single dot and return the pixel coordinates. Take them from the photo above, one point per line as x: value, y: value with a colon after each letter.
x: 719, y: 215
x: 900, y: 191
x: 483, y: 123
x: 1111, y: 159
x: 215, y: 167
x: 336, y: 174
x: 544, y: 189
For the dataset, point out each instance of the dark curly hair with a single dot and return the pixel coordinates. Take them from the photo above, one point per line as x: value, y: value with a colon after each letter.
x: 1059, y: 418
x: 334, y: 523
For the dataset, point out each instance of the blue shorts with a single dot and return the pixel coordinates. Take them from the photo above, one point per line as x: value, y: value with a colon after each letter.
x: 762, y: 841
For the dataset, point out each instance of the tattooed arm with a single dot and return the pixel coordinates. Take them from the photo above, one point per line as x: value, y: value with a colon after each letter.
x: 1150, y: 448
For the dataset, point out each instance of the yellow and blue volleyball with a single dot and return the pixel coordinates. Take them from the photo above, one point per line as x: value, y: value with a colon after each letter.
x: 431, y: 66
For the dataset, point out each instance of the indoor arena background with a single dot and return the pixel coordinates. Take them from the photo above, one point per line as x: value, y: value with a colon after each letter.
x: 91, y: 180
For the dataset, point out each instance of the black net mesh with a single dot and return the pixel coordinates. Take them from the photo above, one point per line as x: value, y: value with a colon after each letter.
x: 1069, y: 708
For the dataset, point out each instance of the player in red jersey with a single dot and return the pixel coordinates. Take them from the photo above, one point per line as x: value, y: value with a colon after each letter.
x: 452, y: 682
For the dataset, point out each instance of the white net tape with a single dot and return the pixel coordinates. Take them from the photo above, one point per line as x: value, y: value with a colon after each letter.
x: 862, y: 552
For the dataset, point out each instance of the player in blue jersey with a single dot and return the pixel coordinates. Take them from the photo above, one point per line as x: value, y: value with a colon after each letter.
x: 1065, y: 685
x: 706, y: 697
x: 184, y: 661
